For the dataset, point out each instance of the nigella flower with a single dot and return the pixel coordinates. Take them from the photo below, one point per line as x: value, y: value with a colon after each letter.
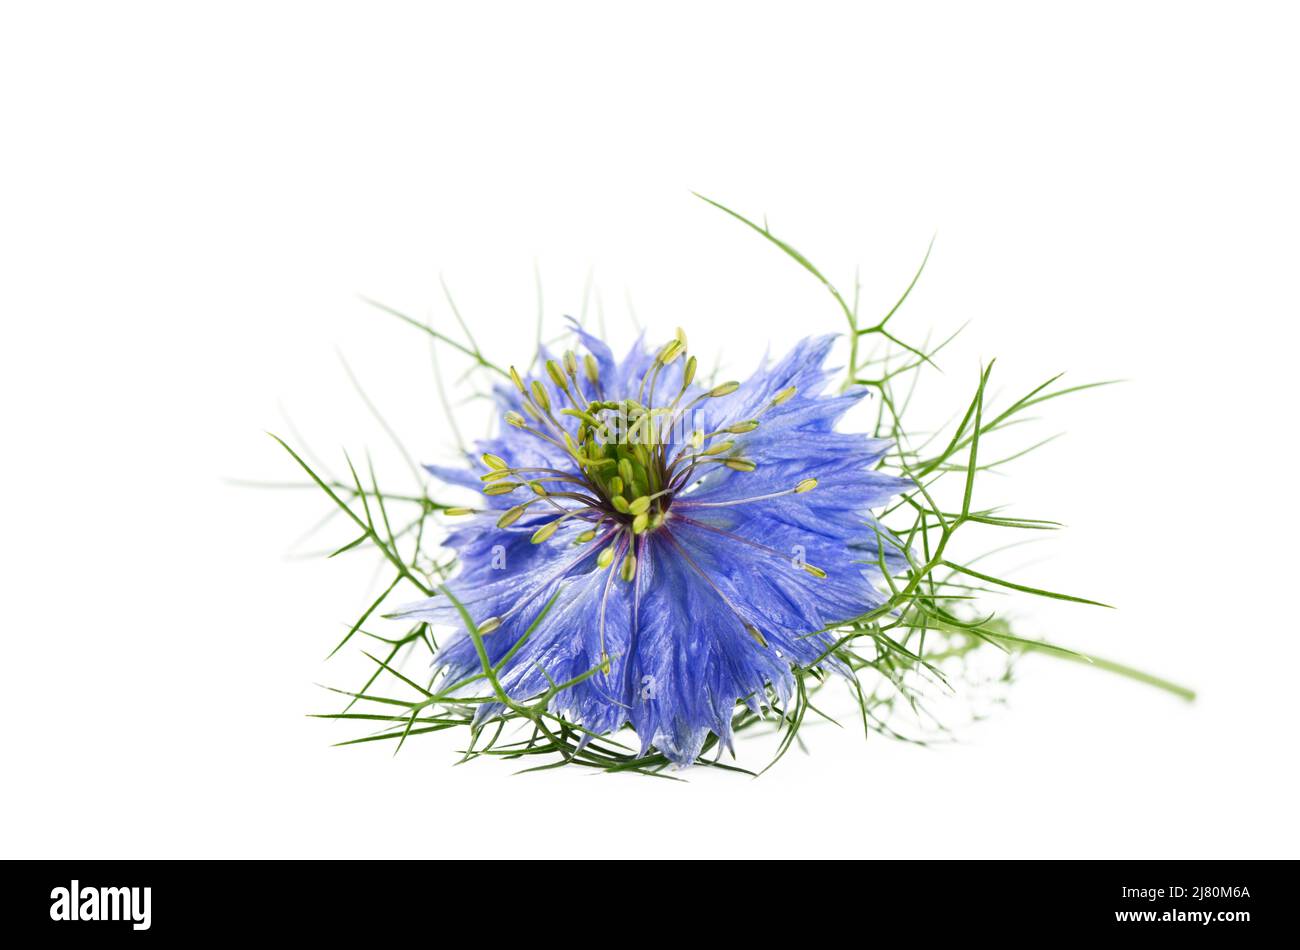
x: 688, y: 544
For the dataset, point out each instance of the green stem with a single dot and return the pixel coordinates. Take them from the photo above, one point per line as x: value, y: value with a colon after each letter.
x: 1182, y: 692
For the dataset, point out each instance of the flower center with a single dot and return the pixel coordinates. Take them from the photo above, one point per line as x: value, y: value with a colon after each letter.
x: 631, y: 457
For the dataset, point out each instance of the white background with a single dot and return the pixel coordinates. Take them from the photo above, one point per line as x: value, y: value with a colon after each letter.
x: 194, y: 194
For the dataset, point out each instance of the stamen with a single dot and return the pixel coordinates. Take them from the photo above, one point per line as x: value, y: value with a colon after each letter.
x: 513, y: 514
x: 541, y: 396
x: 459, y: 511
x: 545, y: 531
x: 557, y: 376
x: 797, y: 490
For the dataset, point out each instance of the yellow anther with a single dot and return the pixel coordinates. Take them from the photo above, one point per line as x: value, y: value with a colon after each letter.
x: 519, y: 383
x: 740, y: 465
x: 571, y: 363
x: 494, y: 461
x: 671, y: 352
x: 814, y: 571
x: 639, y: 505
x: 592, y: 367
x: 538, y: 489
x: 783, y: 396
x: 719, y: 449
x: 725, y: 389
x: 808, y: 484
x: 619, y: 504
x: 742, y: 427
x: 511, y: 516
x: 557, y: 375
x: 545, y: 531
x: 500, y: 488
x: 753, y: 632
x: 628, y: 570
x: 585, y: 537
x: 688, y: 375
x: 540, y: 396
x: 606, y: 557
x: 615, y: 486
x: 458, y: 511
x: 697, y: 439
x: 515, y: 419
x: 487, y: 626
x: 640, y: 523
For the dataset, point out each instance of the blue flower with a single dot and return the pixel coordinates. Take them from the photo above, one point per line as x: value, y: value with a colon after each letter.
x: 697, y: 542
